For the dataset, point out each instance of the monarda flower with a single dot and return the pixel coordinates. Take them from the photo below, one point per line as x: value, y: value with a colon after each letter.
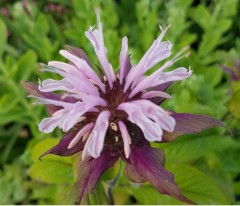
x: 116, y: 115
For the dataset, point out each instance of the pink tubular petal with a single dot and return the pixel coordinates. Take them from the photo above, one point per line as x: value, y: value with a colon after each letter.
x: 69, y: 84
x: 67, y: 68
x: 66, y: 105
x: 152, y: 131
x: 160, y: 87
x: 83, y: 66
x: 77, y: 52
x: 32, y: 90
x: 152, y: 119
x: 152, y: 94
x: 157, y: 52
x: 94, y: 144
x: 96, y: 38
x: 79, y: 135
x: 123, y: 59
x: 80, y: 83
x: 92, y: 100
x: 126, y: 138
x: 48, y: 124
x: 190, y: 124
x: 66, y: 118
x: 157, y: 114
x: 159, y: 77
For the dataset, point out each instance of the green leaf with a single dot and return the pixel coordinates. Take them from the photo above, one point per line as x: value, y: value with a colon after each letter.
x: 202, y: 16
x: 147, y: 195
x: 6, y: 189
x: 3, y: 37
x: 42, y: 146
x: 14, y: 115
x: 234, y: 104
x: 192, y: 147
x: 50, y: 171
x: 209, y: 42
x: 26, y: 64
x: 43, y: 191
x: 7, y: 102
x: 197, y: 186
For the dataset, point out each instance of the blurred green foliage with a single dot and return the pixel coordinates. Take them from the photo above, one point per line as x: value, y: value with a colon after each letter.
x: 206, y: 166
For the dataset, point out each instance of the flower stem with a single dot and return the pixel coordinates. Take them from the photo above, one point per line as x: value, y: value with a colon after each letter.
x: 112, y: 184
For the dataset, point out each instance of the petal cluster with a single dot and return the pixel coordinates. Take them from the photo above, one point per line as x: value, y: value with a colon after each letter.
x: 90, y: 93
x: 114, y: 115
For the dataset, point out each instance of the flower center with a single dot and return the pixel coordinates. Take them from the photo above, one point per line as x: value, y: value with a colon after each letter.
x: 114, y: 97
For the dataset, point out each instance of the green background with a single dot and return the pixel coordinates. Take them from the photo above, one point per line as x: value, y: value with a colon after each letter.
x: 206, y: 165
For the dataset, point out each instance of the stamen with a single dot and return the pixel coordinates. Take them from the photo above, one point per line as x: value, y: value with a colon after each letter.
x: 105, y: 78
x: 116, y: 138
x: 84, y: 138
x: 114, y: 126
x: 181, y: 54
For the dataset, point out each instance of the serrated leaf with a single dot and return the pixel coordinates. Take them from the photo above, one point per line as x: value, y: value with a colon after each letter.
x: 234, y: 107
x: 209, y: 41
x: 3, y: 37
x: 44, y: 145
x: 199, y: 187
x: 7, y: 102
x: 202, y: 16
x: 147, y: 195
x: 191, y: 147
x: 50, y: 171
x: 14, y: 115
x: 26, y: 64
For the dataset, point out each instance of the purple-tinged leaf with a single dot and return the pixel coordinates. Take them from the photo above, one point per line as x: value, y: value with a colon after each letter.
x: 90, y: 170
x: 61, y: 148
x: 190, y: 124
x: 231, y: 73
x: 127, y: 67
x: 77, y: 52
x: 147, y: 164
x: 161, y: 88
x: 33, y: 90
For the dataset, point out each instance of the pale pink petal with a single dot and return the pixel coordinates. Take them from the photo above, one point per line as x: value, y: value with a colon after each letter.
x: 79, y: 135
x: 152, y: 94
x: 66, y: 105
x: 92, y: 100
x: 126, y: 138
x: 47, y: 125
x: 84, y: 68
x: 69, y: 83
x: 68, y: 68
x: 157, y: 52
x: 156, y: 113
x: 94, y: 144
x: 64, y: 119
x: 123, y: 59
x: 159, y: 77
x: 97, y: 40
x: 78, y: 52
x: 152, y: 131
x: 72, y: 113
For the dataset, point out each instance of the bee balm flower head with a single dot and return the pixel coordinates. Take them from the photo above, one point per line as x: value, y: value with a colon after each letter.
x: 115, y: 115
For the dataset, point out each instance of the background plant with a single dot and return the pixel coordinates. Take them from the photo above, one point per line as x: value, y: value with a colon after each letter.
x: 206, y: 166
